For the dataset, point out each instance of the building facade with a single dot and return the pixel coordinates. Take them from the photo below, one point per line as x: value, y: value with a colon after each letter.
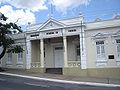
x: 69, y: 47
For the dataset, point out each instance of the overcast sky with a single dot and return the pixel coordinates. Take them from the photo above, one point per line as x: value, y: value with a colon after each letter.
x: 36, y: 11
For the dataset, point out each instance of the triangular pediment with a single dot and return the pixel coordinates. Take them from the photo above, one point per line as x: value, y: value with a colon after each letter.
x: 116, y: 33
x: 100, y: 35
x: 51, y: 24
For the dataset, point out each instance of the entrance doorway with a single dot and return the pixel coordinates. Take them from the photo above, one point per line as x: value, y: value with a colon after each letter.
x: 58, y: 61
x: 58, y: 57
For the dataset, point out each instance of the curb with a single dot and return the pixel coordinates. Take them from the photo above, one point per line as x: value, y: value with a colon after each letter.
x: 62, y: 81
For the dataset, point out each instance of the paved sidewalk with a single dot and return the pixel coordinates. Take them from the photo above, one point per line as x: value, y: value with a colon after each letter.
x: 69, y: 78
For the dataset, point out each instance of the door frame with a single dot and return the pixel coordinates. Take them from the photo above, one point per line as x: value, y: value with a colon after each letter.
x: 60, y: 45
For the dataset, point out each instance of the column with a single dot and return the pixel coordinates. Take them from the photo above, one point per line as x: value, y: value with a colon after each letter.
x: 83, y: 49
x: 42, y: 52
x: 65, y: 51
x: 28, y: 56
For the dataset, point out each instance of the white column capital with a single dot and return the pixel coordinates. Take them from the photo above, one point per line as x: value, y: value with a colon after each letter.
x: 64, y: 37
x: 41, y: 39
x: 63, y: 33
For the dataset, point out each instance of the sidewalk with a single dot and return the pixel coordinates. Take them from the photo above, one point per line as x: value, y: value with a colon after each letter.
x: 68, y: 78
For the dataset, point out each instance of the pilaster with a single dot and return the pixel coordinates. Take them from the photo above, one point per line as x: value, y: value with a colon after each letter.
x: 83, y: 48
x: 28, y: 56
x: 42, y: 52
x: 65, y: 51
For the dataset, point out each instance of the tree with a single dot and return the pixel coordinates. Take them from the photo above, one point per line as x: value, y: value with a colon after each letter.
x: 6, y: 41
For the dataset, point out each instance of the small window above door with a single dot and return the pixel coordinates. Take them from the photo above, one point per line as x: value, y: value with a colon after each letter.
x: 58, y: 48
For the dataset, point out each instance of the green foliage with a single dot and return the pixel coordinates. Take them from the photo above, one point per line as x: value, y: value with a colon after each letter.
x: 6, y: 41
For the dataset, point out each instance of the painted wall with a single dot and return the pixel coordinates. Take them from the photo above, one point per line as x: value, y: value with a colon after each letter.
x: 14, y: 64
x: 110, y: 45
x: 71, y: 47
x: 35, y: 44
x: 93, y: 72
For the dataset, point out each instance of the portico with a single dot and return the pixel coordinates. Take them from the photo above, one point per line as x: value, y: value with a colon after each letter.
x: 54, y: 53
x: 55, y: 45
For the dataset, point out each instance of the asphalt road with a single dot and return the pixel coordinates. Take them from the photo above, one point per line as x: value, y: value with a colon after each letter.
x: 19, y: 83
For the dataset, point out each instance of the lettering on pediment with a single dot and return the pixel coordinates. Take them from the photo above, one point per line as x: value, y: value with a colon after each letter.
x: 52, y: 25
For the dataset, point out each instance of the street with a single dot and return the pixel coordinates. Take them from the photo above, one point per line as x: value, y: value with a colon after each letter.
x: 19, y: 83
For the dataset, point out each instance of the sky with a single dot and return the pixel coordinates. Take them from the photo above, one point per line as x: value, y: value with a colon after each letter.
x: 37, y: 11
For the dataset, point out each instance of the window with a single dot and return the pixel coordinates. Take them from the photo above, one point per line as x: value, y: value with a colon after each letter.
x: 20, y: 57
x: 118, y: 48
x: 74, y: 30
x: 9, y: 58
x: 34, y: 35
x: 49, y: 33
x: 78, y: 52
x: 58, y: 48
x: 100, y: 49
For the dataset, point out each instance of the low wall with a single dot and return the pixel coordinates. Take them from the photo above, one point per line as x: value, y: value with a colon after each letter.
x: 99, y: 72
x: 40, y: 70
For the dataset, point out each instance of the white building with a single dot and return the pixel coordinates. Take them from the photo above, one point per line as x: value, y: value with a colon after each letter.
x: 70, y: 47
